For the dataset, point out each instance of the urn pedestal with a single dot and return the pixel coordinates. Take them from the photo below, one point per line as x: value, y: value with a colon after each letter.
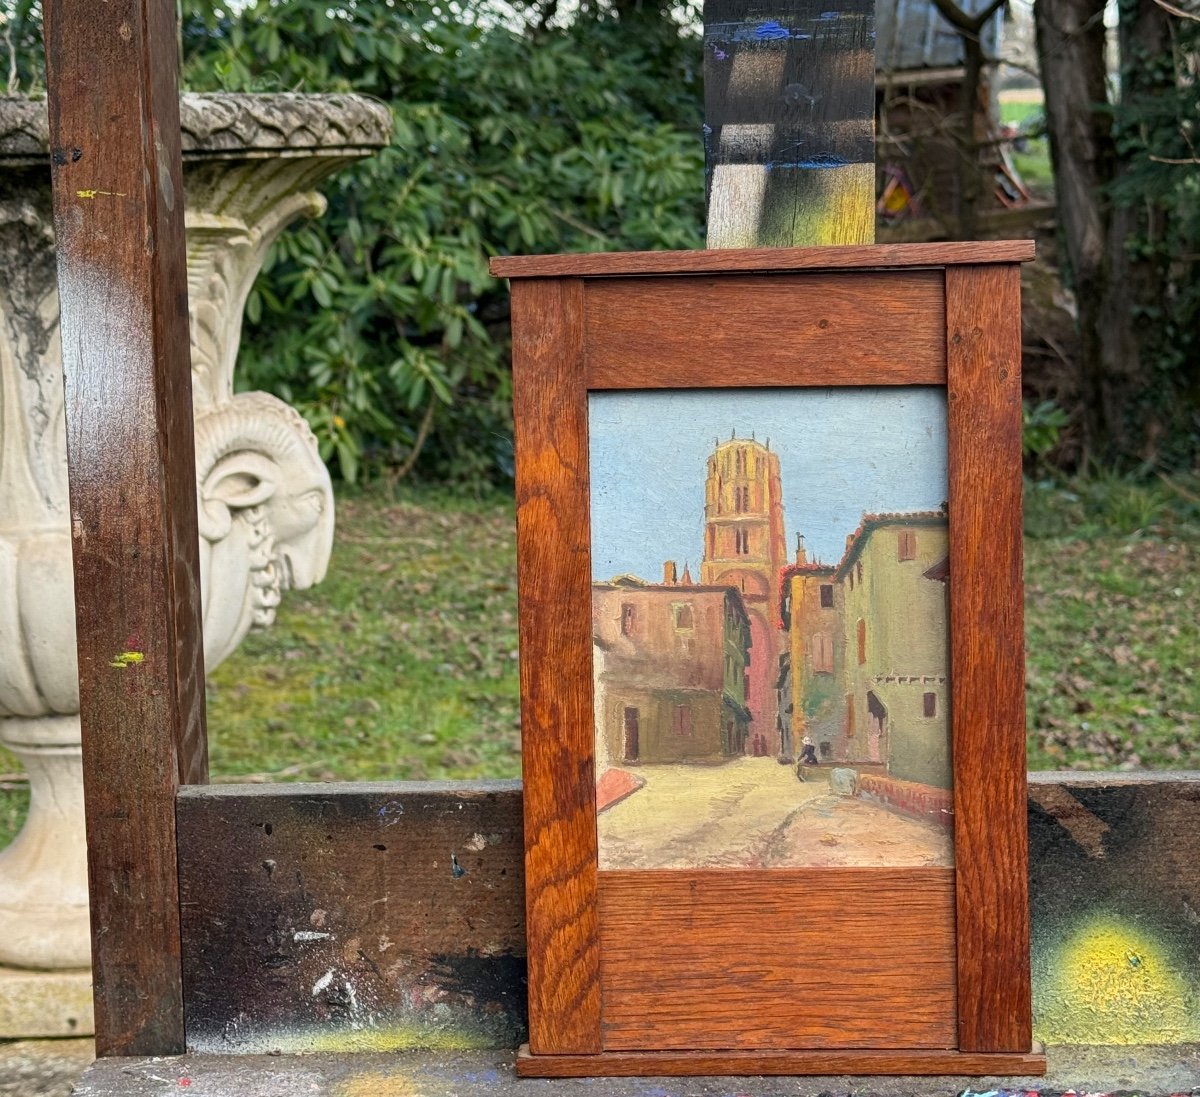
x: 252, y: 164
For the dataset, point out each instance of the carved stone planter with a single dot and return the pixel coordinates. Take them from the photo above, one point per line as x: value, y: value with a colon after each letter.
x: 251, y: 166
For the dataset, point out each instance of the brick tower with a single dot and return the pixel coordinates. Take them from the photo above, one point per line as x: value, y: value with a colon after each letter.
x: 744, y: 548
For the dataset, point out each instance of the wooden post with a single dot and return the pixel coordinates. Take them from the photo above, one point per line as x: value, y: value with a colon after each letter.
x: 118, y: 214
x: 789, y: 135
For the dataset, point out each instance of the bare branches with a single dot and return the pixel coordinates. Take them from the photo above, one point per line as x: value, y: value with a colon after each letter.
x: 1182, y: 15
x: 964, y: 22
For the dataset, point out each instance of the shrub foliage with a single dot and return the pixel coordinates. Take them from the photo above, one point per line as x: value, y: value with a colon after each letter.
x: 379, y: 321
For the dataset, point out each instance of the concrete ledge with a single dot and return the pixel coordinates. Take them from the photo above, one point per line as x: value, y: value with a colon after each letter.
x: 45, y: 1003
x: 43, y: 1068
x: 1147, y: 1071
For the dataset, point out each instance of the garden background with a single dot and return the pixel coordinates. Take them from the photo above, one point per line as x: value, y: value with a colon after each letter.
x: 534, y: 128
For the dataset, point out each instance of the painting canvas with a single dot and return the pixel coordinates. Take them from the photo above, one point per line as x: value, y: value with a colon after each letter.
x: 770, y: 629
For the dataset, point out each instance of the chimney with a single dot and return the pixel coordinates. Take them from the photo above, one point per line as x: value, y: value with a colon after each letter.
x: 801, y: 554
x: 687, y: 576
x: 669, y: 574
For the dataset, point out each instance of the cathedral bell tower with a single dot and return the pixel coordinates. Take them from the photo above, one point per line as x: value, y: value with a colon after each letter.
x: 744, y: 547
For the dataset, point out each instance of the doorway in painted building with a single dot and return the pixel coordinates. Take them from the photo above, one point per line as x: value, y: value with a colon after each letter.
x: 631, y: 735
x: 876, y: 727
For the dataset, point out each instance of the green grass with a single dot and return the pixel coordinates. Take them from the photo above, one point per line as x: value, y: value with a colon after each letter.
x: 1033, y: 165
x: 402, y: 664
x: 1015, y: 113
x: 1112, y: 589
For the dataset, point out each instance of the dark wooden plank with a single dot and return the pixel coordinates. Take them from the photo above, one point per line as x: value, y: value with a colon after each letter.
x: 1112, y: 853
x: 118, y: 206
x: 634, y: 1064
x: 370, y: 917
x: 808, y: 329
x: 761, y: 260
x: 983, y: 323
x: 789, y: 111
x: 778, y: 958
x: 554, y: 588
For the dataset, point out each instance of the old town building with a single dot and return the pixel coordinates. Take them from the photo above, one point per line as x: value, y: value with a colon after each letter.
x: 672, y: 679
x: 865, y: 674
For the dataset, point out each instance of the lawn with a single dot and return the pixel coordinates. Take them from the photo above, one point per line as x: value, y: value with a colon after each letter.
x: 403, y: 663
x: 1024, y: 108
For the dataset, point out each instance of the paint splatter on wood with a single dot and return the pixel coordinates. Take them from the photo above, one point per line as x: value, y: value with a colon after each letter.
x: 371, y: 918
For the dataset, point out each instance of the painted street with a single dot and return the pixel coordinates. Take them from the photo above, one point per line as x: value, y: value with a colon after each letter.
x: 754, y: 812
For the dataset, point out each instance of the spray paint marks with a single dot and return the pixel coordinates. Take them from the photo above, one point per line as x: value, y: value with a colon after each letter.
x: 1110, y: 980
x: 1115, y: 886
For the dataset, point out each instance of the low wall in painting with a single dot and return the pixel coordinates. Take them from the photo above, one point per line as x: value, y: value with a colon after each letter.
x: 378, y: 917
x: 909, y: 798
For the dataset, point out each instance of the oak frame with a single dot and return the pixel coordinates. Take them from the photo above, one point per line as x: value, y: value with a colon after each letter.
x: 689, y: 320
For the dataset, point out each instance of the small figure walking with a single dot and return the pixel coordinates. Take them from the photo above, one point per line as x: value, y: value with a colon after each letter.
x: 808, y: 752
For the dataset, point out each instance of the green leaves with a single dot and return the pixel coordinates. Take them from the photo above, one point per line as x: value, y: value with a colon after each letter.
x: 380, y: 320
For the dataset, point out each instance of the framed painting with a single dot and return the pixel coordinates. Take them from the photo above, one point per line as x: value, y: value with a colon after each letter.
x: 769, y: 555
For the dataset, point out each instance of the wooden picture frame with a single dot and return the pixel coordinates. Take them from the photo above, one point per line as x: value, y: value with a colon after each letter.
x: 928, y: 972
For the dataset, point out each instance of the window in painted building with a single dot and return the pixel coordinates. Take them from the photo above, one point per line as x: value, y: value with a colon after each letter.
x: 822, y: 653
x: 628, y: 618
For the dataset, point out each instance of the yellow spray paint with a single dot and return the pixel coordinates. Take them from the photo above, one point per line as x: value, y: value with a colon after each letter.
x: 395, y: 1038
x: 1113, y: 981
x: 380, y: 1084
x: 127, y: 659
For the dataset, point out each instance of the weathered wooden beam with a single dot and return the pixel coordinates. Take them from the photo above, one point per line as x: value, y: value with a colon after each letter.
x: 789, y: 135
x: 426, y: 940
x: 353, y: 917
x: 118, y: 215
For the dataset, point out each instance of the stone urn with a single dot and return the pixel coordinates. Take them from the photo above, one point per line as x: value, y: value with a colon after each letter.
x: 251, y: 165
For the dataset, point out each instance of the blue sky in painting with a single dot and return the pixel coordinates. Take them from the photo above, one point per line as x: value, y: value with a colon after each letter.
x: 841, y: 452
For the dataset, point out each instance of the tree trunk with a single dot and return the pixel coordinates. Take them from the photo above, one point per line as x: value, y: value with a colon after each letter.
x: 1070, y: 43
x: 1138, y: 286
x: 972, y: 183
x: 972, y: 176
x: 1114, y: 286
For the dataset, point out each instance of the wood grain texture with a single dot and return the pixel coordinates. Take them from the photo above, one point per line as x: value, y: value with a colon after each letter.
x: 778, y: 958
x: 312, y: 917
x: 760, y: 260
x: 866, y: 328
x: 634, y: 1064
x: 983, y: 323
x: 789, y: 112
x: 554, y: 589
x: 118, y: 216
